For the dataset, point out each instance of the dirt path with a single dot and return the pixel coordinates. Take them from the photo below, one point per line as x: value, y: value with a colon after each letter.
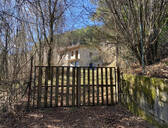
x: 83, y: 117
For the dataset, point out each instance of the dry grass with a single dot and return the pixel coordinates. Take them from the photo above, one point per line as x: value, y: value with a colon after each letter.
x: 159, y: 69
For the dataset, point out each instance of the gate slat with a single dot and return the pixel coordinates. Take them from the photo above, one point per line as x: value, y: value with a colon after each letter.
x: 102, y: 92
x: 97, y: 86
x: 78, y: 86
x: 34, y: 88
x: 115, y: 94
x: 93, y: 91
x: 51, y: 93
x: 67, y: 98
x: 106, y: 86
x: 84, y: 86
x: 46, y: 88
x: 73, y: 86
x: 111, y: 85
x: 88, y: 86
x: 39, y: 87
x: 62, y: 88
x: 57, y: 86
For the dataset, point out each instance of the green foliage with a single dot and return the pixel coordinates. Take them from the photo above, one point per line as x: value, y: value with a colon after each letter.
x: 91, y: 35
x: 82, y: 36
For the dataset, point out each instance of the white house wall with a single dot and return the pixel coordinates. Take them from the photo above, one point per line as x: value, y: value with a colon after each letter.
x: 85, y: 59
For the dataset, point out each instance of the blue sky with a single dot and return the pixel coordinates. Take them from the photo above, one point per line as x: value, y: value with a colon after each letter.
x: 78, y: 16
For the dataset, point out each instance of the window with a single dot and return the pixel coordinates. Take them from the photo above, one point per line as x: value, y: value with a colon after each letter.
x: 90, y: 54
x: 72, y: 53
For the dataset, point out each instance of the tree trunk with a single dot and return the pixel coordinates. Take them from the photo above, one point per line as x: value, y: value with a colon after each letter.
x: 49, y: 62
x: 151, y: 53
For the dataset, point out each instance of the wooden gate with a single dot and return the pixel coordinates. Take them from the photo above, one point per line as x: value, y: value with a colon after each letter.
x: 73, y: 86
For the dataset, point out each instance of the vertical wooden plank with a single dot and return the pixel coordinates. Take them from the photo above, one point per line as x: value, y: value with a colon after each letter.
x: 29, y: 84
x: 62, y: 88
x: 39, y: 87
x: 57, y: 86
x: 102, y: 92
x: 46, y: 88
x: 118, y: 84
x: 78, y: 86
x: 68, y: 84
x: 111, y: 85
x: 121, y: 87
x: 93, y: 91
x: 106, y: 86
x: 51, y: 91
x: 97, y: 86
x: 84, y: 96
x: 73, y: 86
x: 88, y: 86
x: 115, y: 94
x: 34, y: 88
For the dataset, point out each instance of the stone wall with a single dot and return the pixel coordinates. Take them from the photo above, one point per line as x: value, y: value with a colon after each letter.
x: 146, y: 97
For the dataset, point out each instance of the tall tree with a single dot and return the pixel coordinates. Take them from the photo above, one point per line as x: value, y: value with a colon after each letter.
x: 134, y: 22
x: 50, y: 18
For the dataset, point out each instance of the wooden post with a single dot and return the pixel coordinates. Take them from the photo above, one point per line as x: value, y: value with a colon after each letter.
x: 39, y: 86
x: 34, y: 88
x: 29, y: 84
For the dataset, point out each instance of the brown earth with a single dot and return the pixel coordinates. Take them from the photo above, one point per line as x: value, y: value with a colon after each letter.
x: 83, y: 117
x: 159, y: 69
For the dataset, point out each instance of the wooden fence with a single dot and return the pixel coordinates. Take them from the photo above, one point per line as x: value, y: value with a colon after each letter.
x: 73, y: 86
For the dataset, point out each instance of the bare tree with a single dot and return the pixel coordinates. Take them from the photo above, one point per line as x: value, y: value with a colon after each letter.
x: 50, y: 18
x: 14, y: 52
x: 136, y: 21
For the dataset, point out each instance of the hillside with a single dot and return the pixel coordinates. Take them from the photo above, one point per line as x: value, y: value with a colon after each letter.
x: 159, y: 69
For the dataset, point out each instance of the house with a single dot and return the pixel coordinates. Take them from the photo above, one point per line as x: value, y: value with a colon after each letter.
x: 80, y: 55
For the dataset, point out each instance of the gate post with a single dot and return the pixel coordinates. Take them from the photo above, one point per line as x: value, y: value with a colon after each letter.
x: 29, y: 84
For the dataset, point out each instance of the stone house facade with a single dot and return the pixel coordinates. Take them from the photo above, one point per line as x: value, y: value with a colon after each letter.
x: 80, y: 55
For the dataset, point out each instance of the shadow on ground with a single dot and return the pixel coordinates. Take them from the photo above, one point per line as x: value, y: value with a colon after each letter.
x: 83, y: 117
